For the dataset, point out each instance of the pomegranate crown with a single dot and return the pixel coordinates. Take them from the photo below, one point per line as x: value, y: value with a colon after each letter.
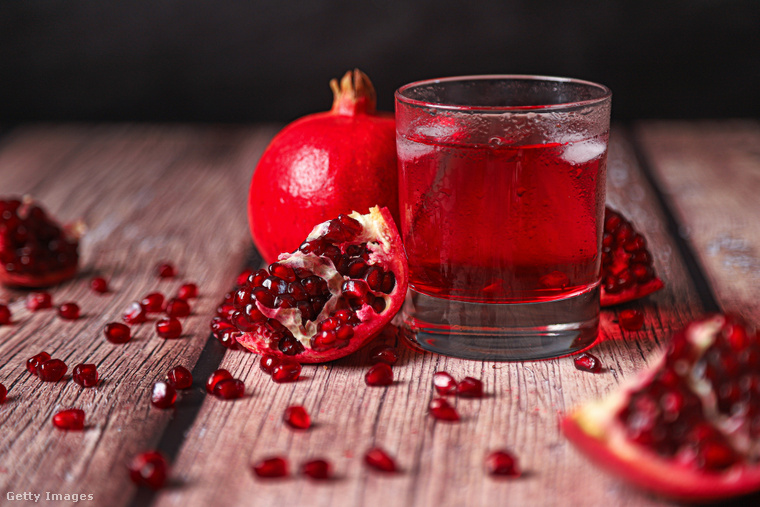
x: 354, y: 95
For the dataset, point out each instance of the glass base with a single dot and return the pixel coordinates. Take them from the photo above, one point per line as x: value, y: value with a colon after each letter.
x: 503, y: 332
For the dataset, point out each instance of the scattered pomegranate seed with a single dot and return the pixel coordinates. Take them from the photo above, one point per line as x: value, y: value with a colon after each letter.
x: 631, y: 320
x: 229, y: 389
x: 588, y: 362
x: 288, y: 371
x: 116, y: 332
x: 442, y: 410
x: 99, y: 284
x: 51, y: 370
x: 297, y: 417
x: 86, y: 375
x: 317, y: 469
x: 153, y: 302
x: 163, y: 395
x: 135, y: 314
x: 166, y: 270
x: 71, y: 419
x: 149, y: 469
x: 188, y: 291
x: 384, y: 354
x: 35, y: 361
x: 267, y: 363
x: 169, y: 328
x: 378, y: 459
x: 176, y: 307
x: 444, y: 383
x: 215, y: 378
x: 179, y: 377
x: 470, y: 388
x: 39, y: 301
x: 271, y: 468
x: 5, y: 315
x: 379, y: 375
x: 502, y: 463
x: 69, y: 311
x: 3, y: 393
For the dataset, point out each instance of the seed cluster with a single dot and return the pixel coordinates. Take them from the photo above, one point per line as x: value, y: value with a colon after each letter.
x: 625, y: 259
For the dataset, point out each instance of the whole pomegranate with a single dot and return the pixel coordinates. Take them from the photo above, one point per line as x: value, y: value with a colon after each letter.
x: 324, y: 165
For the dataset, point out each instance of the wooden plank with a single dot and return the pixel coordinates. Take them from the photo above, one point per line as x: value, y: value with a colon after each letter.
x: 147, y: 193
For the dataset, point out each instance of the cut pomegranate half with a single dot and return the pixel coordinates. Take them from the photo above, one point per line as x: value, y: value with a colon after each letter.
x: 627, y: 266
x: 329, y: 297
x: 687, y: 428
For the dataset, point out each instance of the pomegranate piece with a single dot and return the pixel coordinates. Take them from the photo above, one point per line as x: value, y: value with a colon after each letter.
x: 51, y: 370
x: 169, y: 328
x: 163, y: 395
x: 39, y: 301
x: 631, y: 320
x: 229, y: 389
x: 3, y: 393
x: 136, y: 313
x: 71, y: 419
x: 328, y: 298
x: 502, y: 464
x: 35, y: 251
x: 470, y: 387
x: 379, y: 375
x: 318, y: 469
x: 116, y: 332
x: 271, y: 468
x: 187, y: 291
x: 627, y: 270
x: 35, y: 361
x: 69, y: 311
x: 378, y: 459
x: 179, y: 377
x: 688, y: 427
x: 588, y: 362
x: 86, y: 375
x: 268, y: 362
x: 176, y: 307
x: 384, y: 354
x: 297, y: 417
x: 99, y: 285
x: 149, y: 469
x: 153, y: 302
x: 5, y: 315
x: 166, y: 270
x: 215, y: 378
x: 444, y: 383
x: 286, y: 371
x: 441, y: 409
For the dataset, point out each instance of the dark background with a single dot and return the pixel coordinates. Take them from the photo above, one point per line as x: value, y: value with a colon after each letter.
x: 238, y: 61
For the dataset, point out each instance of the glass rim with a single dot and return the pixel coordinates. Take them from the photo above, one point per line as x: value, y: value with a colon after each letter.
x: 606, y: 93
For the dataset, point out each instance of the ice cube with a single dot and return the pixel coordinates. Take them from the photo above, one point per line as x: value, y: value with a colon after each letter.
x: 582, y: 152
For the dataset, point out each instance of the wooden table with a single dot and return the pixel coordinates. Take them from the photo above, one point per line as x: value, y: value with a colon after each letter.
x: 178, y: 192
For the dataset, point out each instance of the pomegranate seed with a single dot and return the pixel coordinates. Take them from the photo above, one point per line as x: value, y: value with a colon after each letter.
x: 242, y: 278
x: 444, y: 383
x: 384, y: 354
x: 176, y: 307
x: 153, y: 302
x: 34, y: 362
x: 149, y: 469
x: 69, y: 311
x: 287, y: 371
x: 215, y: 378
x: 99, y: 284
x: 318, y: 469
x: 5, y: 315
x: 169, y: 328
x: 268, y: 362
x: 116, y: 332
x: 39, y: 301
x: 71, y: 419
x: 379, y: 375
x: 3, y: 393
x: 502, y: 463
x: 297, y: 417
x: 470, y: 388
x: 379, y: 460
x: 166, y: 270
x: 51, y: 370
x: 229, y: 389
x: 163, y: 395
x: 179, y: 377
x: 188, y: 291
x: 588, y: 362
x: 271, y: 468
x: 86, y: 375
x: 442, y: 410
x: 135, y: 314
x: 631, y: 320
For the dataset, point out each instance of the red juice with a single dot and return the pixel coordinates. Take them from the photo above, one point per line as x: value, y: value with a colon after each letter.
x: 494, y: 223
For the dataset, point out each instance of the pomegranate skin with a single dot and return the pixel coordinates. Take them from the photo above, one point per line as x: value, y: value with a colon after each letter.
x: 322, y: 165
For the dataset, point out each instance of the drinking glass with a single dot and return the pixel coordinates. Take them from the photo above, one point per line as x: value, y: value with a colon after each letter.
x: 502, y: 191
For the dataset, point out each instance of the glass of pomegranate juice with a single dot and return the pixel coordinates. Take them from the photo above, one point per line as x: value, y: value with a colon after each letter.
x: 502, y: 183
